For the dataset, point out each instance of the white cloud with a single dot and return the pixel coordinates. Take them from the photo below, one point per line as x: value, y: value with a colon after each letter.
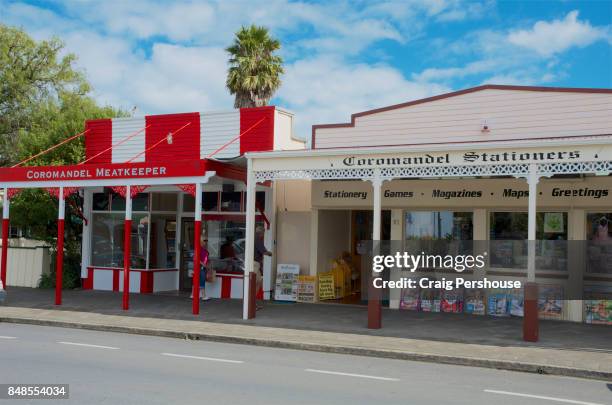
x: 168, y: 56
x: 325, y: 89
x: 512, y: 56
x: 183, y: 65
x: 173, y: 78
x: 473, y: 68
x: 548, y: 38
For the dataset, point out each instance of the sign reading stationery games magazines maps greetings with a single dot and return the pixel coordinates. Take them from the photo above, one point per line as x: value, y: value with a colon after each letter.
x: 286, y: 282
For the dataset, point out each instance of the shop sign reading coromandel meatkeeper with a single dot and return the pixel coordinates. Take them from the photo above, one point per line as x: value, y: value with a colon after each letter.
x: 102, y: 171
x: 479, y: 157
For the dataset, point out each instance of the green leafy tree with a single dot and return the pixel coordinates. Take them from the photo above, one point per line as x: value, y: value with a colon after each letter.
x: 31, y: 73
x: 255, y: 71
x: 44, y: 100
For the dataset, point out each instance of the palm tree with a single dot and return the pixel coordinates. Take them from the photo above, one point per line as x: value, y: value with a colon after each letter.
x: 254, y: 72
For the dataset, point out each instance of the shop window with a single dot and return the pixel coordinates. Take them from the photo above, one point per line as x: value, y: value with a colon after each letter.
x: 226, y: 243
x: 163, y: 201
x: 599, y: 243
x: 210, y: 201
x: 140, y: 202
x: 439, y: 225
x: 188, y: 203
x: 101, y: 202
x: 162, y: 253
x: 509, y: 234
x: 439, y: 232
x: 230, y: 201
x: 108, y: 240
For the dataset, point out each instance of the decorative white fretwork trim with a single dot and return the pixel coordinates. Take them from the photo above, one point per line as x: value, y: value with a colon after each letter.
x: 511, y: 169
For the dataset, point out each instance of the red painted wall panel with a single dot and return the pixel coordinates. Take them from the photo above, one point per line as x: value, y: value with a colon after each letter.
x: 98, y: 138
x: 261, y: 137
x: 185, y: 143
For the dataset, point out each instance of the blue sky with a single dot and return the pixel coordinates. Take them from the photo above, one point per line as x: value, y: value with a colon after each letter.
x: 340, y: 57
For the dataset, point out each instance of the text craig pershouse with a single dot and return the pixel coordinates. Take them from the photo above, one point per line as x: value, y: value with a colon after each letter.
x: 410, y: 262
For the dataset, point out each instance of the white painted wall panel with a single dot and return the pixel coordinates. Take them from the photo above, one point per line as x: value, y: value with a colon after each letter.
x: 103, y: 280
x: 122, y: 129
x: 237, y: 288
x: 213, y: 290
x: 164, y: 280
x: 134, y: 281
x: 510, y: 114
x: 284, y: 138
x: 218, y: 128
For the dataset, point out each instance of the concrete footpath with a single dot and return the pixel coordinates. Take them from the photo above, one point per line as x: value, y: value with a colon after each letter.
x: 596, y: 364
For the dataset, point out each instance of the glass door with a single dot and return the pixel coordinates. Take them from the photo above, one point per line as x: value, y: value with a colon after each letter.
x: 187, y: 245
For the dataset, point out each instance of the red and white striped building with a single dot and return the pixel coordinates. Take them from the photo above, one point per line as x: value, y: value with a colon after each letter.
x: 150, y: 185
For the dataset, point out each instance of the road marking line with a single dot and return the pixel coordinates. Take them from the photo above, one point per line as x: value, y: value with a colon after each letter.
x: 373, y: 377
x: 186, y: 356
x: 88, y: 345
x: 8, y: 337
x: 518, y: 394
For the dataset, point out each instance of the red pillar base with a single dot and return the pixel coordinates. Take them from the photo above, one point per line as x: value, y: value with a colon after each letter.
x: 127, y: 254
x: 252, y: 280
x: 374, y: 307
x: 197, y: 231
x: 530, y: 318
x: 59, y: 262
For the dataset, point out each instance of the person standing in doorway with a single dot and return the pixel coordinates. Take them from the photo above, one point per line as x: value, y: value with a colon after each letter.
x: 260, y: 252
x: 203, y: 266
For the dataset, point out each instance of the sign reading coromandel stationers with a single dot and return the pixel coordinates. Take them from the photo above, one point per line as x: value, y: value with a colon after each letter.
x: 102, y: 171
x: 438, y: 156
x: 478, y: 157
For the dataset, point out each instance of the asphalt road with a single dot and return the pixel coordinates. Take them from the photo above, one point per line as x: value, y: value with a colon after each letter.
x: 114, y: 368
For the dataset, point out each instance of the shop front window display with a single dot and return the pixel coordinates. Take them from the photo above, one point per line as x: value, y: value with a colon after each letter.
x: 226, y: 243
x: 108, y: 240
x: 599, y: 243
x: 439, y: 232
x: 508, y: 240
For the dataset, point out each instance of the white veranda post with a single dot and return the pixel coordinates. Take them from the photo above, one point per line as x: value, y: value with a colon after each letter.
x: 377, y: 185
x: 374, y: 305
x: 127, y: 253
x: 532, y: 180
x: 530, y: 306
x: 250, y: 236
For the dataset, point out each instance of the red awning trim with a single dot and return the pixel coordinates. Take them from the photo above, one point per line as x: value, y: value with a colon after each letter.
x: 122, y: 190
x: 188, y: 188
x: 54, y: 191
x: 12, y: 192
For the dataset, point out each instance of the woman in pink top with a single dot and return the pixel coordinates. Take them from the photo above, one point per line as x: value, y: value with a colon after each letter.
x: 203, y: 266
